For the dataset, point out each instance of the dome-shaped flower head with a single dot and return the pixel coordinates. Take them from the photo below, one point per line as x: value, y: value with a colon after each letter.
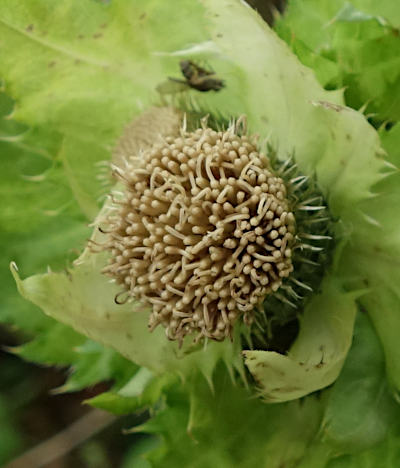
x: 221, y: 237
x: 205, y: 231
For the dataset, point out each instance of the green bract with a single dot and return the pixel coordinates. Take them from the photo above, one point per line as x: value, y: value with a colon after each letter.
x: 96, y: 67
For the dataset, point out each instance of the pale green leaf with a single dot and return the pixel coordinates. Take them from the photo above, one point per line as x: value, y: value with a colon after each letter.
x: 360, y: 409
x: 376, y: 254
x: 318, y: 354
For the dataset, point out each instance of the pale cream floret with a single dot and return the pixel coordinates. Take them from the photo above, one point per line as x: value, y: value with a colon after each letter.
x: 203, y: 234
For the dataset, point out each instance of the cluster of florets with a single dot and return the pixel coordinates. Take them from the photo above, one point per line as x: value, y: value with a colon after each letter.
x: 203, y: 233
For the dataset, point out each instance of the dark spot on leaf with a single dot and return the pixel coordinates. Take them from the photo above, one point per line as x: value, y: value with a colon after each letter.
x: 104, y: 25
x: 51, y: 64
x: 220, y: 35
x: 285, y: 389
x: 319, y: 365
x: 129, y: 336
x: 142, y: 16
x: 77, y: 61
x: 108, y: 316
x: 261, y: 364
x: 97, y: 35
x: 366, y: 282
x: 29, y: 28
x: 68, y: 274
x: 80, y: 36
x: 348, y: 136
x: 329, y: 105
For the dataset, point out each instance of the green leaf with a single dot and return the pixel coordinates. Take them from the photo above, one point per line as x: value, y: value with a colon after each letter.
x: 283, y: 101
x: 143, y: 390
x: 95, y: 363
x: 376, y: 254
x: 386, y: 455
x: 350, y: 14
x: 357, y: 47
x: 227, y: 428
x: 136, y: 456
x: 360, y: 408
x: 53, y: 347
x: 96, y: 66
x: 37, y: 206
x: 318, y: 354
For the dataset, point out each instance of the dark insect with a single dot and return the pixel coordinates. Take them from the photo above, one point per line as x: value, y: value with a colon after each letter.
x: 199, y: 78
x: 196, y: 77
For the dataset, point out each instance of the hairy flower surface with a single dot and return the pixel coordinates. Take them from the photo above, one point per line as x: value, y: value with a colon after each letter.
x: 205, y: 231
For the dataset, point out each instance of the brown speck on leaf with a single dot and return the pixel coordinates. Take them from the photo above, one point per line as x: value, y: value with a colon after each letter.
x: 261, y: 364
x: 68, y: 274
x: 77, y: 61
x: 142, y: 16
x: 80, y: 36
x: 329, y: 105
x: 220, y: 35
x: 251, y: 358
x: 51, y: 64
x: 97, y: 35
x: 103, y: 26
x: 30, y: 28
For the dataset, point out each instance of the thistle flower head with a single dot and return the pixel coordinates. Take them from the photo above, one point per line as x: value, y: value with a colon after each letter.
x: 204, y: 231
